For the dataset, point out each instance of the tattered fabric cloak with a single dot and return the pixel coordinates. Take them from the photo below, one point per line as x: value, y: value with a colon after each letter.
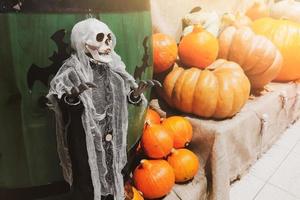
x: 77, y: 70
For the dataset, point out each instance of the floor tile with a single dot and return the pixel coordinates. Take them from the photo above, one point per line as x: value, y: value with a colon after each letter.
x: 266, y: 166
x: 246, y: 189
x: 287, y: 176
x: 290, y: 138
x: 296, y: 149
x: 270, y: 192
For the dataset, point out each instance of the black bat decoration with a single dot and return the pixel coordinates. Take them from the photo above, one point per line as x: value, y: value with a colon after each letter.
x: 43, y: 74
x: 139, y: 70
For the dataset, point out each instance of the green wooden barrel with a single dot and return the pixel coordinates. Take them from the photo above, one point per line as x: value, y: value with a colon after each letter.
x: 34, y: 40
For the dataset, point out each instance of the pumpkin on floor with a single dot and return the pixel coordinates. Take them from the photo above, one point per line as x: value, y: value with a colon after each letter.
x: 131, y: 193
x: 286, y: 9
x: 257, y: 55
x: 181, y: 130
x: 154, y: 178
x: 259, y: 9
x: 164, y: 52
x: 199, y: 48
x: 285, y: 35
x: 219, y: 91
x: 184, y: 163
x: 152, y: 117
x: 157, y: 141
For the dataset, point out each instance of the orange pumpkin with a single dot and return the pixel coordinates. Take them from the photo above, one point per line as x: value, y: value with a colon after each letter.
x: 131, y: 193
x: 152, y: 117
x: 286, y: 36
x: 259, y: 9
x: 164, y: 52
x: 181, y: 130
x: 199, y: 48
x: 157, y: 141
x: 257, y: 55
x: 154, y: 178
x: 219, y: 91
x: 184, y: 163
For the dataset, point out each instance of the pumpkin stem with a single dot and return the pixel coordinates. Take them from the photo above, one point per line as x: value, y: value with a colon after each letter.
x: 197, y: 28
x: 173, y: 150
x: 186, y: 144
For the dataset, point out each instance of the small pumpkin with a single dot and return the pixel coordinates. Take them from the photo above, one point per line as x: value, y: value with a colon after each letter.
x: 219, y: 91
x: 257, y: 55
x: 164, y: 52
x: 286, y: 9
x: 184, y: 163
x: 285, y: 35
x: 157, y: 141
x: 152, y: 117
x: 259, y: 9
x: 131, y: 193
x: 154, y: 178
x: 199, y: 48
x: 181, y: 130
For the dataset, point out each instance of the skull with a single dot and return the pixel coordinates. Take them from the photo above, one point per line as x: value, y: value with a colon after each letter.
x: 93, y: 38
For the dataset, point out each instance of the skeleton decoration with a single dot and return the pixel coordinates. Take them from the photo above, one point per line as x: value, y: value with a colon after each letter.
x: 94, y: 77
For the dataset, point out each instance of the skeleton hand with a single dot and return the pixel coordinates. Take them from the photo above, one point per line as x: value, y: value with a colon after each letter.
x: 72, y: 96
x: 144, y: 85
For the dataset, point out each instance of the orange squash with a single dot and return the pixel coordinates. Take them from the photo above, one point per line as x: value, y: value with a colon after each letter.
x: 286, y: 36
x: 164, y: 52
x: 154, y: 178
x: 152, y: 117
x: 219, y: 91
x: 256, y: 54
x: 259, y: 9
x: 184, y: 163
x: 131, y: 193
x: 181, y: 130
x: 199, y: 48
x: 157, y: 141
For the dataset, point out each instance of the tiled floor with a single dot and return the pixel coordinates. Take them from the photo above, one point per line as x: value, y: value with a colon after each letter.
x: 276, y: 175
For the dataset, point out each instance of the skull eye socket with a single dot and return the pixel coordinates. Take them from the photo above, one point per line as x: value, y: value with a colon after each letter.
x: 109, y: 36
x: 100, y: 37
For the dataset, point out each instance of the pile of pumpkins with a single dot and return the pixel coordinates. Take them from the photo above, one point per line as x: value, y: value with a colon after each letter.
x: 211, y: 75
x: 167, y: 161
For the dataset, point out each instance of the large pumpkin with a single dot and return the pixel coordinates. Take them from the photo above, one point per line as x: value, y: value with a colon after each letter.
x: 184, y: 163
x: 181, y: 130
x: 157, y: 141
x: 286, y: 9
x: 154, y: 178
x: 164, y: 52
x: 257, y: 55
x: 286, y: 36
x: 199, y: 48
x: 219, y: 91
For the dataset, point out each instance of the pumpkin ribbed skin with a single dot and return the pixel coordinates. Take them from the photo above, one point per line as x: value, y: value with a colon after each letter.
x: 184, y: 163
x: 199, y: 48
x: 286, y: 36
x: 157, y: 141
x: 181, y: 130
x: 154, y: 178
x: 219, y: 91
x: 164, y: 52
x: 257, y: 55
